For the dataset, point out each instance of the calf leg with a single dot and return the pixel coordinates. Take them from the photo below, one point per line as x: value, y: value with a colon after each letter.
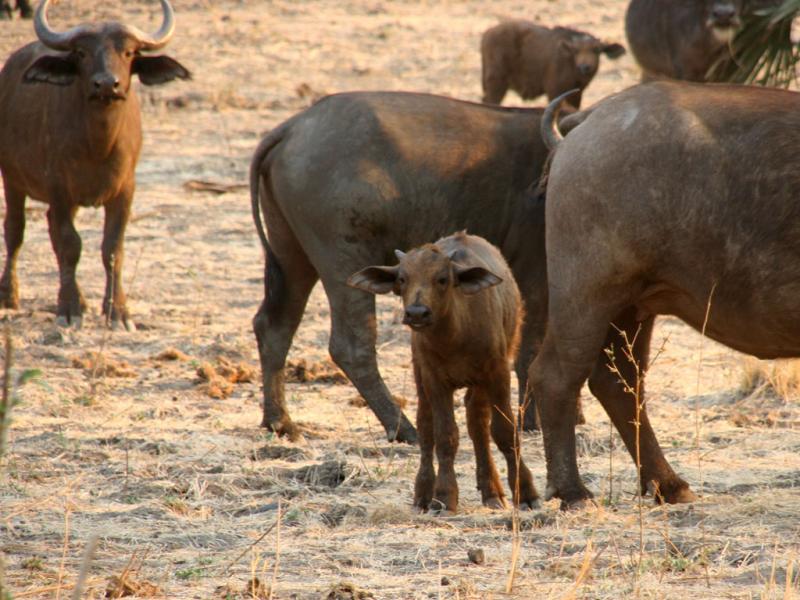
x: 352, y: 347
x: 478, y: 418
x: 620, y: 404
x: 445, y: 432
x: 14, y: 228
x: 67, y: 246
x: 117, y: 214
x: 289, y: 278
x: 424, y: 484
x: 505, y: 436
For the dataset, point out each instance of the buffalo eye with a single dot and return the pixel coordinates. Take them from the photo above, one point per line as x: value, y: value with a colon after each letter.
x: 80, y: 53
x: 129, y: 53
x: 442, y: 280
x: 401, y: 280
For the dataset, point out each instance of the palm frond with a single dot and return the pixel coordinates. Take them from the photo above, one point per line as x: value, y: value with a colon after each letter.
x: 763, y: 51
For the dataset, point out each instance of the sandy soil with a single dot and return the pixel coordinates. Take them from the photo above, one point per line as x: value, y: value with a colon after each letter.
x: 121, y: 439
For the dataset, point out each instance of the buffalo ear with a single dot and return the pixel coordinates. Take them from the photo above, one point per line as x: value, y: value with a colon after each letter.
x: 613, y: 51
x: 376, y: 280
x: 58, y: 70
x: 153, y: 70
x: 472, y: 280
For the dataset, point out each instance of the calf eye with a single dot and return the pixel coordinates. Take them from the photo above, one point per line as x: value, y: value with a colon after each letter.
x: 442, y: 281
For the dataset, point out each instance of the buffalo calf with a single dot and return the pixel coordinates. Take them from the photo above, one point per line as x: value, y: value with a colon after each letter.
x: 465, y: 312
x: 533, y: 60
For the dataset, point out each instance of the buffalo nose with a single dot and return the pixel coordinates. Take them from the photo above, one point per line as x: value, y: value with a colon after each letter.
x: 417, y: 314
x: 723, y: 12
x: 105, y: 84
x: 585, y: 69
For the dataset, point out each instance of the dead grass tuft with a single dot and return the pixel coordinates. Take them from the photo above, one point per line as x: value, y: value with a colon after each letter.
x: 254, y: 589
x: 779, y: 379
x: 171, y: 354
x: 99, y: 364
x: 324, y: 371
x: 121, y: 586
x: 359, y: 402
x: 347, y: 591
x: 218, y: 381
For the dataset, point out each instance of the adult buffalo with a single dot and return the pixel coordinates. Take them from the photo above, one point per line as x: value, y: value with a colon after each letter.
x: 357, y: 175
x: 680, y: 39
x: 710, y: 236
x: 70, y: 133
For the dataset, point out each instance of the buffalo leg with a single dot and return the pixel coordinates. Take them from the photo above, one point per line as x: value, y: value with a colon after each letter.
x: 289, y: 278
x: 498, y: 399
x: 67, y: 246
x: 528, y: 349
x: 14, y: 228
x: 424, y: 483
x: 352, y: 347
x: 25, y: 10
x: 113, y: 249
x: 571, y: 345
x: 620, y: 404
x: 5, y: 10
x: 478, y: 419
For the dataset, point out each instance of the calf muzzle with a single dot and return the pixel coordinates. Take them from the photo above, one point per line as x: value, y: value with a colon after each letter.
x: 418, y: 316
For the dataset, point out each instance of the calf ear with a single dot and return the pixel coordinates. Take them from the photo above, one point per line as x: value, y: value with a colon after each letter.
x: 613, y: 50
x: 58, y: 70
x: 153, y: 70
x: 472, y: 280
x: 376, y: 280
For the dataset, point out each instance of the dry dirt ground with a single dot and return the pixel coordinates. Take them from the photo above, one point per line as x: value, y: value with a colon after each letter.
x: 123, y: 440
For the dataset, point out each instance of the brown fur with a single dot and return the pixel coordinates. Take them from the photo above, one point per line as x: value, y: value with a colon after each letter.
x: 465, y: 311
x: 533, y: 60
x: 70, y: 134
x: 677, y: 39
x: 715, y: 226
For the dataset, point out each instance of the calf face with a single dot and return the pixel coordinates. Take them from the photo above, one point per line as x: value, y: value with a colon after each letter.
x: 426, y: 279
x: 585, y: 51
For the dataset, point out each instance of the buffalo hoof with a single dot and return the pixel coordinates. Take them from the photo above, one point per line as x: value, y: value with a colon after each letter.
x: 66, y: 321
x: 677, y: 492
x: 578, y: 504
x: 404, y: 432
x: 530, y: 504
x: 529, y: 421
x: 283, y: 428
x: 495, y: 503
x: 123, y: 325
x: 9, y: 298
x: 572, y: 497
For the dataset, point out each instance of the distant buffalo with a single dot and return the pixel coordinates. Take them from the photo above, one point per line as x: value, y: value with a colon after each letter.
x: 70, y: 134
x: 7, y: 12
x: 533, y: 60
x: 691, y: 209
x: 680, y: 39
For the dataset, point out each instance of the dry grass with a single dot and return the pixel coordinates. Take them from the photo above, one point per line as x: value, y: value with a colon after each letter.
x: 176, y: 484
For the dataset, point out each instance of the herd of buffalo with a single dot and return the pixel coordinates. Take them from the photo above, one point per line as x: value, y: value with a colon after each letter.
x: 511, y: 234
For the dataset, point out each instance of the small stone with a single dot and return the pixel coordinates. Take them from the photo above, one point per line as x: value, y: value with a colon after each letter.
x: 445, y: 580
x: 476, y: 556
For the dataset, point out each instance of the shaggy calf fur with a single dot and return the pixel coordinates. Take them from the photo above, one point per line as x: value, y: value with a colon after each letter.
x: 533, y: 60
x: 465, y: 312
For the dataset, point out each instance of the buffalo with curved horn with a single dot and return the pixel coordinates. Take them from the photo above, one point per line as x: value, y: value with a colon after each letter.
x: 70, y: 135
